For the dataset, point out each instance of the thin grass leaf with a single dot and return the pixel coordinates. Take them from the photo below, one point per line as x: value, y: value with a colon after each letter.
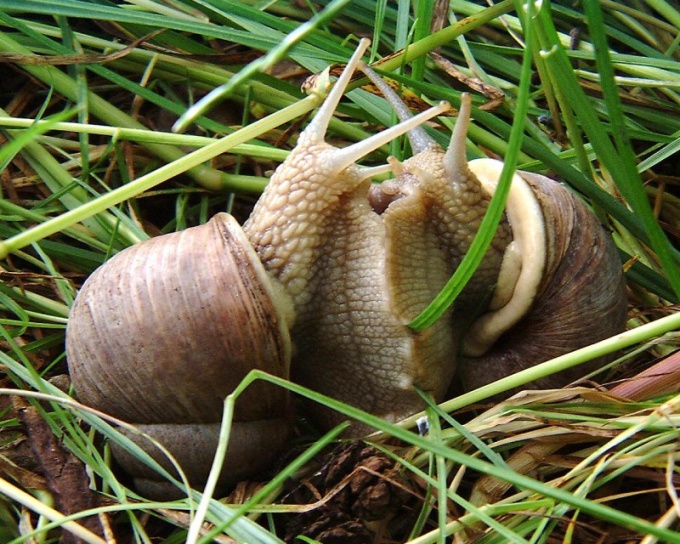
x: 622, y: 163
x: 8, y: 151
x: 152, y: 179
x: 523, y: 482
x: 627, y: 180
x: 274, y: 55
x: 494, y: 213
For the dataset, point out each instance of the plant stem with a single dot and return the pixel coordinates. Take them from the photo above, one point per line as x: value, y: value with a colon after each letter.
x: 152, y: 179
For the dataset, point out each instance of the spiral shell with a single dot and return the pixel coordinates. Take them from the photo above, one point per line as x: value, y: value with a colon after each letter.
x: 581, y: 297
x: 166, y: 329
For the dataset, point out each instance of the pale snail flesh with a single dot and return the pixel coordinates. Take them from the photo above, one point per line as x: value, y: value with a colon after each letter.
x: 334, y: 286
x: 552, y: 272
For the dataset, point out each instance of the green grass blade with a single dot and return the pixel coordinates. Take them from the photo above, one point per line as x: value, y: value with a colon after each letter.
x: 493, y: 215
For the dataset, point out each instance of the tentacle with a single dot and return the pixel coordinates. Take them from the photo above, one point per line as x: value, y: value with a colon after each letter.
x: 316, y: 130
x: 455, y: 158
x: 349, y: 155
x: 420, y: 141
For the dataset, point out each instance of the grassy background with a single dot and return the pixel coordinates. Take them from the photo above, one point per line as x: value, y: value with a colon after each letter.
x: 91, y: 164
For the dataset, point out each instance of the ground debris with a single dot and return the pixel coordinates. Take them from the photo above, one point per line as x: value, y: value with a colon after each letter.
x: 64, y: 474
x: 356, y: 486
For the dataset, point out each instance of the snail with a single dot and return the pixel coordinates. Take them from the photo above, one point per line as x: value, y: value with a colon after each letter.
x: 551, y: 282
x: 319, y: 285
x: 146, y: 342
x: 163, y: 331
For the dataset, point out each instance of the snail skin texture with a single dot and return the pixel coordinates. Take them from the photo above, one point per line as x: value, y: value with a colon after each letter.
x: 319, y: 285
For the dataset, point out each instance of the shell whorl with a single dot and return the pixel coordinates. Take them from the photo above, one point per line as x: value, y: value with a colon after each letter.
x: 581, y: 298
x: 121, y: 323
x: 164, y: 331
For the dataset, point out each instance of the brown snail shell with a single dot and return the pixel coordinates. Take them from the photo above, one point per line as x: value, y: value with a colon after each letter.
x: 169, y: 327
x: 581, y: 298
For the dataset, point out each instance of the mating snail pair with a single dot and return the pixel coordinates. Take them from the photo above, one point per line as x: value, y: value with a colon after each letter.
x: 318, y: 286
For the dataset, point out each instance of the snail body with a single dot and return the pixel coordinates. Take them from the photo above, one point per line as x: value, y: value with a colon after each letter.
x: 550, y: 267
x: 318, y: 285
